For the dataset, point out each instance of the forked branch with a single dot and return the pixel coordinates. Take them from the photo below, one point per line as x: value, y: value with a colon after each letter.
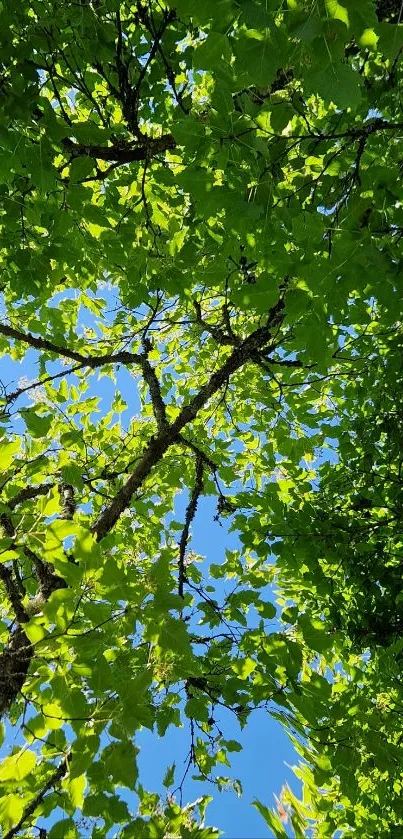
x: 260, y: 339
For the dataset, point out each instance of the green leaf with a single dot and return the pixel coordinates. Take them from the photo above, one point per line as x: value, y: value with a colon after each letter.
x: 244, y: 667
x: 197, y: 708
x: 258, y: 57
x: 36, y: 424
x: 85, y: 749
x: 75, y: 790
x: 63, y: 829
x: 169, y: 776
x: 267, y: 610
x: 8, y: 449
x: 119, y: 760
x: 11, y: 808
x: 315, y: 633
x: 335, y: 82
x: 18, y: 765
x: 233, y: 746
x: 271, y: 819
x: 211, y: 50
x: 80, y: 168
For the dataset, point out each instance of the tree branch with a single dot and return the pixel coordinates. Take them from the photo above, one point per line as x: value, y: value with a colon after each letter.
x: 68, y: 501
x: 122, y: 154
x: 199, y: 452
x: 123, y: 357
x: 29, y: 810
x: 17, y: 654
x: 14, y: 664
x: 44, y: 572
x: 27, y: 493
x: 218, y: 334
x: 11, y: 397
x: 131, y: 101
x: 154, y: 388
x: 157, y: 446
x: 189, y: 516
x: 13, y: 593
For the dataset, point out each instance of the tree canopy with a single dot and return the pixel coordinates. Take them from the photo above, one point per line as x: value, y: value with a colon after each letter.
x: 201, y: 226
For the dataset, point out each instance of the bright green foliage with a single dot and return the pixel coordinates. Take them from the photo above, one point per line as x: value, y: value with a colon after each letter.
x: 341, y: 564
x: 200, y: 213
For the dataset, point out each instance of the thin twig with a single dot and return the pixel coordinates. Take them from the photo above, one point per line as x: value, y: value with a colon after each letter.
x: 190, y: 514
